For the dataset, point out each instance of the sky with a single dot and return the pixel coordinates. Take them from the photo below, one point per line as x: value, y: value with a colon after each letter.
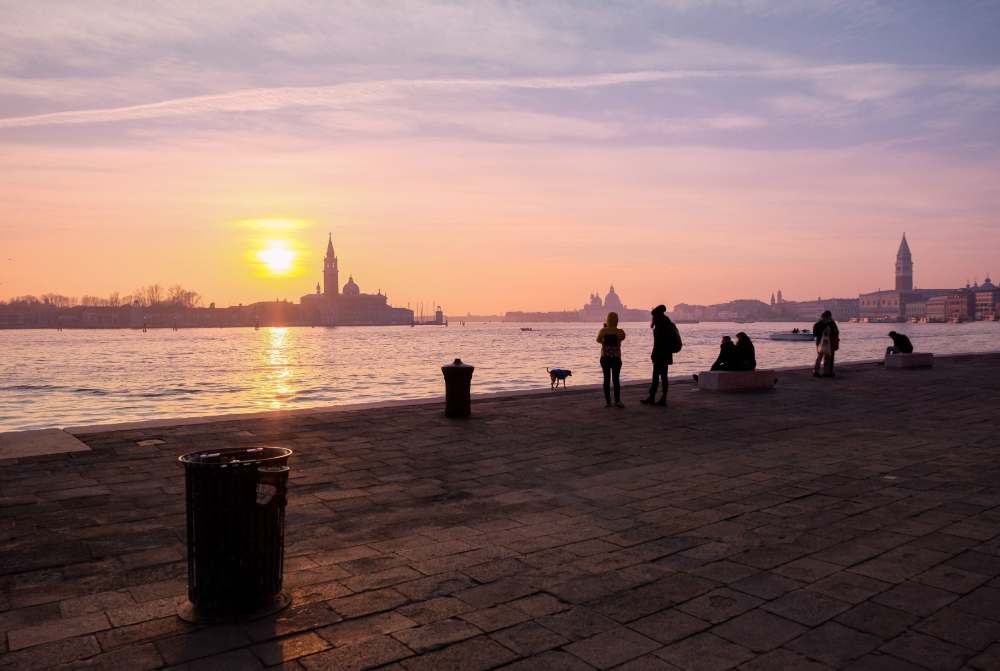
x: 492, y: 156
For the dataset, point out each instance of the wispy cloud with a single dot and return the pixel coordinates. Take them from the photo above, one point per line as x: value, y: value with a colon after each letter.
x: 335, y: 96
x: 851, y: 83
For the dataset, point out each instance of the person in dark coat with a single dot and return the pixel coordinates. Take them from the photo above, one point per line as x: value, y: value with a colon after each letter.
x: 900, y: 344
x: 666, y: 341
x: 827, y: 337
x: 746, y: 355
x: 727, y: 358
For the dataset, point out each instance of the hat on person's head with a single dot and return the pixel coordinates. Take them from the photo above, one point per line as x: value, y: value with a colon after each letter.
x: 892, y: 333
x: 826, y: 313
x: 659, y: 310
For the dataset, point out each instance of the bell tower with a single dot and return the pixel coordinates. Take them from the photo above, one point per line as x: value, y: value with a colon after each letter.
x: 331, y: 273
x: 904, y: 267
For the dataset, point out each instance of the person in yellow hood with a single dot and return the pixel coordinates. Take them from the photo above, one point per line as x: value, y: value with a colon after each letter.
x: 611, y: 338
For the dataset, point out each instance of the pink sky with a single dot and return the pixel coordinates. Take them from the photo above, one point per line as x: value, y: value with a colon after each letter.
x: 521, y: 171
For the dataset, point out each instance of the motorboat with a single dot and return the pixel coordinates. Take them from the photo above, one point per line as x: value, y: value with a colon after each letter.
x: 793, y: 336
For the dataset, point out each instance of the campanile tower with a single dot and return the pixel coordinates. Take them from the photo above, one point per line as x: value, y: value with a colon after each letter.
x: 331, y: 273
x: 904, y: 267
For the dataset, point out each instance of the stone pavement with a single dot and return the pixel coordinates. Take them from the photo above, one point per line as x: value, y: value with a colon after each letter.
x: 846, y: 523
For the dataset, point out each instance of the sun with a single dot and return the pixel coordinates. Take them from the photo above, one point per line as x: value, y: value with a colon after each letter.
x: 277, y: 257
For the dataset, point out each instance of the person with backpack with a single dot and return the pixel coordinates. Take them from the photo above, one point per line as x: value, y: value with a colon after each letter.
x: 611, y: 338
x: 666, y: 343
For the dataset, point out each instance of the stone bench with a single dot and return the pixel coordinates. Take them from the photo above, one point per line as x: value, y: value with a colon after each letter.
x: 737, y: 380
x: 914, y: 360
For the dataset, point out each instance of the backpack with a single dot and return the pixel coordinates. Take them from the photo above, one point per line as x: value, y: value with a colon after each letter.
x: 676, y: 344
x: 610, y: 347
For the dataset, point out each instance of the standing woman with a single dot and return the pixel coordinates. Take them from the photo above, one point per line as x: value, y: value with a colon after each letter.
x: 611, y: 338
x: 827, y: 337
x: 666, y: 341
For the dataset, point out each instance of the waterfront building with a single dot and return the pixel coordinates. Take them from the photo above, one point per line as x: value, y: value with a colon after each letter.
x: 743, y: 309
x: 332, y: 306
x: 915, y: 311
x: 959, y: 306
x: 779, y: 309
x: 881, y: 305
x: 842, y: 308
x: 987, y: 300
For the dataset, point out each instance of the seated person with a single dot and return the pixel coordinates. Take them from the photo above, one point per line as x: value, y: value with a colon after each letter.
x: 728, y: 357
x: 900, y: 344
x: 746, y: 356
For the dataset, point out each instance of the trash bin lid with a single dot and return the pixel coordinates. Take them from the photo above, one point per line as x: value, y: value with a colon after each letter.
x: 457, y: 363
x: 239, y: 456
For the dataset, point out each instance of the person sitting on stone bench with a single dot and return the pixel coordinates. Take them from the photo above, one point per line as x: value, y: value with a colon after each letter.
x: 900, y: 344
x: 735, y: 356
x: 746, y: 355
x: 736, y: 368
x: 728, y: 358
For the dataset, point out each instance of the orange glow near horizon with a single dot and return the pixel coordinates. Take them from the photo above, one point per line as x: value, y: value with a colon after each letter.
x: 518, y: 230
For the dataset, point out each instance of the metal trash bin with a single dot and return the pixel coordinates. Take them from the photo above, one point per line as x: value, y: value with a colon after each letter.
x: 457, y: 389
x: 235, y: 533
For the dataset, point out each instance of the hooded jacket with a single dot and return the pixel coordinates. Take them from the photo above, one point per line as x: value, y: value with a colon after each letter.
x: 611, y: 348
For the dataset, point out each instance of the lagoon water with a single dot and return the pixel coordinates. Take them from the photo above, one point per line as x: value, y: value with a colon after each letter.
x: 65, y: 378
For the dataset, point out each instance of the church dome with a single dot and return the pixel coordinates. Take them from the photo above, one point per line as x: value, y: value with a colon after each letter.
x: 351, y: 288
x: 612, y: 301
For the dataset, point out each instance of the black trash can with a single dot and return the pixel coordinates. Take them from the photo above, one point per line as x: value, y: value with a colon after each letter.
x: 235, y: 533
x: 457, y: 389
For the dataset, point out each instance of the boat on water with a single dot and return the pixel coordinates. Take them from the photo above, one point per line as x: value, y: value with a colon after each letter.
x: 793, y: 336
x: 527, y: 328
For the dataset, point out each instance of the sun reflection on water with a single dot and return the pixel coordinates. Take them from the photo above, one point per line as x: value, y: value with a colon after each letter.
x: 279, y: 372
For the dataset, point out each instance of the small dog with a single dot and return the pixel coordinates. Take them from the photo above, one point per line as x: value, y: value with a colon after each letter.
x: 557, y: 374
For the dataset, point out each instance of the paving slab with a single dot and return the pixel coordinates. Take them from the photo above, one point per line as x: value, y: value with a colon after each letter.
x: 848, y: 522
x: 18, y: 444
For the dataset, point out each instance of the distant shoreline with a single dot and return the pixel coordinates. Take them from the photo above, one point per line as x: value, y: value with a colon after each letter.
x: 454, y: 323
